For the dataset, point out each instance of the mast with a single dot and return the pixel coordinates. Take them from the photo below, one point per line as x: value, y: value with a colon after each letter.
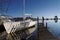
x: 8, y: 1
x: 23, y: 8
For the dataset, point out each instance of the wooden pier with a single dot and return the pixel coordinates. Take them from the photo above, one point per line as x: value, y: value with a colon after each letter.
x: 44, y: 34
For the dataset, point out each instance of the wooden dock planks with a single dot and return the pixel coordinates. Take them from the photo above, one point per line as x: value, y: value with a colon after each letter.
x: 44, y: 34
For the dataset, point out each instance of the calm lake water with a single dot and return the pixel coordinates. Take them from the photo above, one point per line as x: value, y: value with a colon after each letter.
x: 53, y: 27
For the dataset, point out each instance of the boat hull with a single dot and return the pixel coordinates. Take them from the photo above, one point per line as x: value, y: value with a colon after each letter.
x: 17, y: 25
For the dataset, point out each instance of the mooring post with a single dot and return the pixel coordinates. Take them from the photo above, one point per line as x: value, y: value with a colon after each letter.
x: 43, y: 21
x: 37, y: 27
x: 46, y: 24
x: 37, y: 21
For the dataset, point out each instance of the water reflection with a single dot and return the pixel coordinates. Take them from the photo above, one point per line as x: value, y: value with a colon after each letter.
x: 56, y: 21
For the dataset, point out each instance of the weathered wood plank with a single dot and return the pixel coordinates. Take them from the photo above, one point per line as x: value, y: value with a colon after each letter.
x: 44, y: 34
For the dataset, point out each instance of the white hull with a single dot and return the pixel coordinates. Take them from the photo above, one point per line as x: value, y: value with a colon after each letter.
x: 18, y: 25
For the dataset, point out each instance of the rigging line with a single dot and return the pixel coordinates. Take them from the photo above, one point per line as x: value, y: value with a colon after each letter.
x: 8, y: 5
x: 8, y: 8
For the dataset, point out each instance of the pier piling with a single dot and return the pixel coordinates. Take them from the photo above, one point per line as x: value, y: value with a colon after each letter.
x: 46, y: 25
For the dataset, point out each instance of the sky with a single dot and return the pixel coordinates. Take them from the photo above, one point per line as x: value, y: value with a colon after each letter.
x: 46, y: 8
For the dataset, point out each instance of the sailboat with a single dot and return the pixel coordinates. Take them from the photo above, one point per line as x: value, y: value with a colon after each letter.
x: 13, y: 26
x: 18, y: 25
